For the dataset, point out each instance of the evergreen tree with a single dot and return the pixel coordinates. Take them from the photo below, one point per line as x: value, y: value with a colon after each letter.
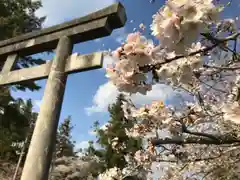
x: 64, y: 143
x: 108, y: 154
x: 16, y: 17
x: 15, y: 123
x: 64, y: 154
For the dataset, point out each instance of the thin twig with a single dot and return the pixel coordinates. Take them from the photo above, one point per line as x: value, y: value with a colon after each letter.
x: 201, y: 51
x: 195, y: 140
x: 222, y: 68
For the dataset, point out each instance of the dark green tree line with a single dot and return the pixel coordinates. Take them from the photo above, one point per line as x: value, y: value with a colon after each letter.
x: 17, y: 17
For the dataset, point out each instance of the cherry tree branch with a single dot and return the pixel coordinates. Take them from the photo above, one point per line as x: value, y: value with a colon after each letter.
x: 210, y: 136
x: 222, y: 68
x: 196, y: 140
x: 189, y: 160
x: 217, y: 42
x: 206, y: 49
x: 187, y: 131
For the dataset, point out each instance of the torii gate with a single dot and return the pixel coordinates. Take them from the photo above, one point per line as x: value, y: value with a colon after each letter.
x: 62, y: 37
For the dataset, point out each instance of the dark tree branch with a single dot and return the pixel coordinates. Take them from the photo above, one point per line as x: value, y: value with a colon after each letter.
x: 189, y: 160
x: 201, y: 134
x: 196, y: 140
x: 185, y: 130
x: 206, y: 49
x: 222, y: 68
x: 217, y: 42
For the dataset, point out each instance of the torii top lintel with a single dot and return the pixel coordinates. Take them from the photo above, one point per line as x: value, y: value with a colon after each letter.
x: 95, y: 25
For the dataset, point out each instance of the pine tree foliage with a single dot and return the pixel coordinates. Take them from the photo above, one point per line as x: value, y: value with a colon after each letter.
x: 65, y: 144
x: 115, y: 128
x: 18, y: 17
x: 15, y: 125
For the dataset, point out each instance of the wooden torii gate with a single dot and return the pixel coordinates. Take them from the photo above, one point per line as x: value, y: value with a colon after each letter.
x: 62, y: 37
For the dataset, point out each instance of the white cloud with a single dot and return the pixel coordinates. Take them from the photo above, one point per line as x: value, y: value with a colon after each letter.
x: 59, y: 11
x: 158, y: 92
x: 107, y: 94
x: 81, y: 145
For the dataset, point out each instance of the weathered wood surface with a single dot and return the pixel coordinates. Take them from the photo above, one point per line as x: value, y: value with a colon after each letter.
x: 41, y: 148
x: 95, y: 25
x: 75, y: 63
x: 63, y: 36
x: 9, y: 63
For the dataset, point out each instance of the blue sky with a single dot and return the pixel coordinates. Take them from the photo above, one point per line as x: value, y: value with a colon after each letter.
x: 87, y: 95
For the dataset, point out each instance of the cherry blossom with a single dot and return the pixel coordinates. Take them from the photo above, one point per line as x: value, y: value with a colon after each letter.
x: 179, y: 23
x: 198, y: 56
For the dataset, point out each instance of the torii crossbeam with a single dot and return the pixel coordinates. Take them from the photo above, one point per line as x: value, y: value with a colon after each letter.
x: 62, y: 37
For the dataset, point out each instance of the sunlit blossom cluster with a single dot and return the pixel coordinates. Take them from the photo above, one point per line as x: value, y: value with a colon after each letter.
x: 111, y: 174
x: 149, y: 116
x: 194, y: 55
x: 179, y: 22
x: 172, y: 25
x: 118, y: 174
x: 144, y: 158
x: 232, y: 108
x: 181, y: 71
x: 116, y: 145
x: 125, y: 74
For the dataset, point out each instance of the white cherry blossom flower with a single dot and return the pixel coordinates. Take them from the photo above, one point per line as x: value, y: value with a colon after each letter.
x: 232, y: 112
